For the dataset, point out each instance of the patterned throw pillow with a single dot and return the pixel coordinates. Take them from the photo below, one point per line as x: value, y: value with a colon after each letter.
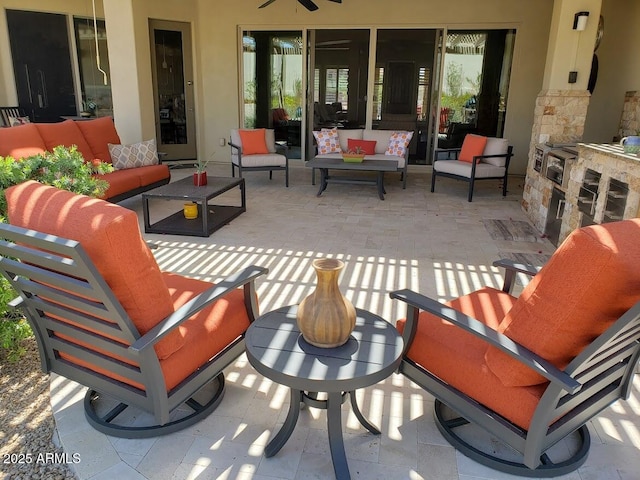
x: 327, y: 140
x: 15, y: 121
x: 398, y: 143
x: 135, y: 155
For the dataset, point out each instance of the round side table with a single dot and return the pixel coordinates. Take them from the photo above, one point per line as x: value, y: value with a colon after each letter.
x: 276, y: 349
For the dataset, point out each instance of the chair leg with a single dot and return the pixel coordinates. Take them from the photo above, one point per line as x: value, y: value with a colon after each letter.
x: 433, y: 181
x: 286, y: 176
x: 471, y: 182
x: 270, y: 174
x: 473, y: 445
x: 504, y: 186
x: 233, y: 169
x: 105, y: 420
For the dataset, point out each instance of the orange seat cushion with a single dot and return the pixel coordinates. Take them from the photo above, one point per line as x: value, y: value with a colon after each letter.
x: 152, y: 173
x: 21, y: 141
x: 110, y: 235
x: 457, y: 357
x: 472, y: 146
x: 253, y: 141
x: 65, y: 133
x: 590, y: 281
x: 208, y: 332
x: 120, y: 181
x: 98, y: 133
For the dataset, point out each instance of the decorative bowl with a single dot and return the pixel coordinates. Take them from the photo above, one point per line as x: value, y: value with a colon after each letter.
x: 353, y: 157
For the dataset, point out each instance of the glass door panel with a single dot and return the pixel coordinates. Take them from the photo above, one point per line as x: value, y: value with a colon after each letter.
x: 272, y: 85
x: 173, y: 88
x: 403, y: 83
x: 339, y: 62
x: 477, y: 68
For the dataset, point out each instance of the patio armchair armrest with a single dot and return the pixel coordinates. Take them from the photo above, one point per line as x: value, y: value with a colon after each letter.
x: 511, y: 268
x: 416, y: 302
x: 244, y: 277
x: 449, y: 152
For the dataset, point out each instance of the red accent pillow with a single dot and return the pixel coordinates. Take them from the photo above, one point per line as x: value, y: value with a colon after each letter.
x: 253, y: 141
x: 472, y: 146
x: 368, y: 146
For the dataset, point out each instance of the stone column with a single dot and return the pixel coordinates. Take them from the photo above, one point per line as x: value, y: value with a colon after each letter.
x: 630, y: 120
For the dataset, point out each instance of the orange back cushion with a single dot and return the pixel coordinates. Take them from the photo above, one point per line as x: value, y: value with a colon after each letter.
x: 253, y: 141
x: 591, y: 280
x: 65, y: 133
x: 98, y: 133
x: 472, y: 146
x: 21, y: 141
x: 110, y: 235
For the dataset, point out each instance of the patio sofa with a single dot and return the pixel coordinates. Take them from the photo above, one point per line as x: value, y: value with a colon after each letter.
x: 380, y: 142
x: 92, y: 138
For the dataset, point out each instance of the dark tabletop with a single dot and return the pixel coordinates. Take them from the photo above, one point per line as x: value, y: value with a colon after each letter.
x: 276, y: 349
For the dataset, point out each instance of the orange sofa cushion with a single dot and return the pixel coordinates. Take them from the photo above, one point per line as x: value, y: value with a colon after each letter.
x: 457, y: 357
x: 591, y: 280
x: 120, y: 181
x: 253, y: 142
x: 104, y: 230
x: 21, y: 141
x: 472, y: 146
x: 98, y: 133
x: 152, y: 173
x: 65, y: 133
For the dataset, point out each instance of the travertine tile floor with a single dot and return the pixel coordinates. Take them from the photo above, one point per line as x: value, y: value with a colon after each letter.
x: 434, y: 243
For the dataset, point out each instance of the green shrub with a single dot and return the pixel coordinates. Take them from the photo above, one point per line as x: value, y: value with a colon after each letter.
x: 63, y: 168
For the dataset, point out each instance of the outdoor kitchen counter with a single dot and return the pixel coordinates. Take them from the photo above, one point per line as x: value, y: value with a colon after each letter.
x: 612, y: 177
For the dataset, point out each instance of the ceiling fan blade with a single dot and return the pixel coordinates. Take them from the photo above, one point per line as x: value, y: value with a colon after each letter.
x: 308, y: 4
x: 267, y: 3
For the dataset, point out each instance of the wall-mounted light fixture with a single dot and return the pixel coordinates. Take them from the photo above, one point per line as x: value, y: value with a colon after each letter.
x: 580, y: 21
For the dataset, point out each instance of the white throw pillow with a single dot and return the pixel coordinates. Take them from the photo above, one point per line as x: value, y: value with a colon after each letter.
x: 15, y: 121
x: 327, y: 140
x: 496, y: 146
x: 398, y: 143
x: 132, y: 156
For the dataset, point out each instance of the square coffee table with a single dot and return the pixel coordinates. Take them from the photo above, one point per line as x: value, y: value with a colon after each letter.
x: 215, y: 216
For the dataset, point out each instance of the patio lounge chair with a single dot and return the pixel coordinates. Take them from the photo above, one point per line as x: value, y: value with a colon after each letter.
x: 256, y: 150
x: 535, y: 369
x: 105, y: 316
x: 479, y: 158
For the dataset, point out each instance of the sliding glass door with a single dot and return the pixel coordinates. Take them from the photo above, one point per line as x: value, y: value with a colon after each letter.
x: 272, y: 85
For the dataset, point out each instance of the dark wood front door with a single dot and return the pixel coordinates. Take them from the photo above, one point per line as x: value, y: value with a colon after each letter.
x: 42, y: 64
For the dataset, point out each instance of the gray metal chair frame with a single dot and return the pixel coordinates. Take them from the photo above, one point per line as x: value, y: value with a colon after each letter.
x: 269, y: 168
x: 599, y: 376
x: 56, y: 279
x: 472, y: 179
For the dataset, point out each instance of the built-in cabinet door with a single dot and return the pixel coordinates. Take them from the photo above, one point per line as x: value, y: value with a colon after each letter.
x: 42, y: 64
x: 172, y: 67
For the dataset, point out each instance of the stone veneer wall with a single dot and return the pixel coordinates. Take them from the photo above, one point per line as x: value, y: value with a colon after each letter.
x: 630, y: 119
x: 559, y: 117
x: 611, y: 163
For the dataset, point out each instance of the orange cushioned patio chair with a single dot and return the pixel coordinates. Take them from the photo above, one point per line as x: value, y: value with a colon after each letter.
x: 105, y: 316
x: 532, y: 370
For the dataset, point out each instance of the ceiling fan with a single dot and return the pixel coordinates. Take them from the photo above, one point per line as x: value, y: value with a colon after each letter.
x: 308, y: 4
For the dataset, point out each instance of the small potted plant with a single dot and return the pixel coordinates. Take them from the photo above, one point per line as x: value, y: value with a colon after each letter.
x: 354, y: 155
x: 200, y: 175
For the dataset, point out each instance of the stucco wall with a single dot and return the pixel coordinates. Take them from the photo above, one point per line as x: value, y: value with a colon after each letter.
x: 216, y: 26
x: 619, y: 69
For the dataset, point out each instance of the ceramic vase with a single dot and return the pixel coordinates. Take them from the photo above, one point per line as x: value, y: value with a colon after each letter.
x: 190, y: 211
x: 200, y: 179
x: 326, y: 318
